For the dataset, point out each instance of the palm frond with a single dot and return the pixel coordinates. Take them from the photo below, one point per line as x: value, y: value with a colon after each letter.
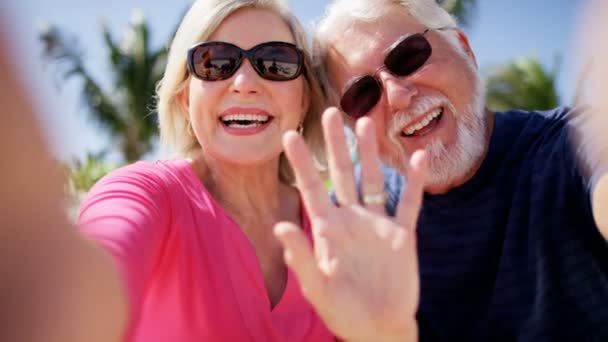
x: 64, y: 50
x: 116, y: 56
x: 136, y: 68
x: 522, y: 84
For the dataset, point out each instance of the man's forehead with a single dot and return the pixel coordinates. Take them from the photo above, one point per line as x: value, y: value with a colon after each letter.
x: 361, y: 46
x: 355, y: 47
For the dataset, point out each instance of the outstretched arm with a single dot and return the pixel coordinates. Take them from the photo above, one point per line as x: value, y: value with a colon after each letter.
x: 55, y: 285
x: 593, y: 137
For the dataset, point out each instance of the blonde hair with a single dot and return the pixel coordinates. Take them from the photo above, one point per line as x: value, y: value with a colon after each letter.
x: 340, y: 14
x: 199, y: 23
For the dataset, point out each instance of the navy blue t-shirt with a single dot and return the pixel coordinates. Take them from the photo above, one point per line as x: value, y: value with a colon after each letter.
x: 514, y: 253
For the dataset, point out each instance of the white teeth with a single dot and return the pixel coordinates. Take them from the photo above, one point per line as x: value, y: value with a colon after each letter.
x: 245, y: 120
x: 245, y: 117
x: 236, y: 125
x: 424, y: 122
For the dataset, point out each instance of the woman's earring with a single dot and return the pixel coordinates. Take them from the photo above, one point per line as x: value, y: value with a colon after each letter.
x: 301, y: 128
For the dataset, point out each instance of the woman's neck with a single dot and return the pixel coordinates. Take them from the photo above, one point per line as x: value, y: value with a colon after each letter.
x: 250, y: 195
x: 256, y: 200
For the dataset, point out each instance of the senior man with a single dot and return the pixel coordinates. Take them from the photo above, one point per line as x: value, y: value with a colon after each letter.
x: 512, y: 231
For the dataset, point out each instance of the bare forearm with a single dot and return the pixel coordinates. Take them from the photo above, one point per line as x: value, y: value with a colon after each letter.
x: 55, y: 285
x: 593, y: 135
x: 600, y: 205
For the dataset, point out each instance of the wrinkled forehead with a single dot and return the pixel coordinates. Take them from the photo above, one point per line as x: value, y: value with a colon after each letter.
x: 360, y: 47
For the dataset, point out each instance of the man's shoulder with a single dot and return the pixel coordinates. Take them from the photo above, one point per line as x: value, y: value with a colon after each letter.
x: 534, y: 119
x: 539, y: 120
x: 538, y: 131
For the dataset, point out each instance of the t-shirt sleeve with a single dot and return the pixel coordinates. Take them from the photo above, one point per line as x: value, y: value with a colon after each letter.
x: 127, y: 213
x: 563, y: 151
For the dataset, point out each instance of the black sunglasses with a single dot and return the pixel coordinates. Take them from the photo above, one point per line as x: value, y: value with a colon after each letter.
x: 404, y: 57
x: 275, y: 61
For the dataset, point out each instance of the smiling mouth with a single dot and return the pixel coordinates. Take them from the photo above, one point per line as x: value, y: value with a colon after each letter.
x: 245, y: 120
x: 425, y: 125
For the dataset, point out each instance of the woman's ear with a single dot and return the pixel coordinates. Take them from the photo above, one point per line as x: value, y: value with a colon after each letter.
x: 305, y: 105
x: 464, y: 43
x: 306, y: 99
x: 183, y: 100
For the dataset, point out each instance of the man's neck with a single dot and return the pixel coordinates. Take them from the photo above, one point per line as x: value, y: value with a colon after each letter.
x: 490, y: 118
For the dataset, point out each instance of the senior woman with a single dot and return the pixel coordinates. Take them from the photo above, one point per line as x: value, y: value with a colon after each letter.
x: 192, y: 237
x: 193, y: 254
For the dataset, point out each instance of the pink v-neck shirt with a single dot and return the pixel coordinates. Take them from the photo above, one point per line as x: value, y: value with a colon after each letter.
x: 189, y: 272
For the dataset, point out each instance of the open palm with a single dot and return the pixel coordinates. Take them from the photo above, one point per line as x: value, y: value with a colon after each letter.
x: 362, y: 273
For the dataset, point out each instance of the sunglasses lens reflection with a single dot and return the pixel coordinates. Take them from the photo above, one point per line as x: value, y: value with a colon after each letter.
x: 216, y: 62
x: 277, y: 62
x: 273, y: 61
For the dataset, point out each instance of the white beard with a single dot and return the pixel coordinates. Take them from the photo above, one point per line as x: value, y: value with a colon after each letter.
x: 448, y: 164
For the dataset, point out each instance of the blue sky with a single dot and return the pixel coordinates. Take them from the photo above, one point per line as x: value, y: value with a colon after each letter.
x: 500, y: 30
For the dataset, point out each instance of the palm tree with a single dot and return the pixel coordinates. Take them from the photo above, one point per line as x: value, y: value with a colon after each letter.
x: 125, y: 109
x: 522, y: 84
x: 463, y: 10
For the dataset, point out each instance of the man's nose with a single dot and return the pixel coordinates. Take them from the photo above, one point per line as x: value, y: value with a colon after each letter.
x: 399, y: 91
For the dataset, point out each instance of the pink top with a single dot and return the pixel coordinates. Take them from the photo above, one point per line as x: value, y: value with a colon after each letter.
x: 190, y: 272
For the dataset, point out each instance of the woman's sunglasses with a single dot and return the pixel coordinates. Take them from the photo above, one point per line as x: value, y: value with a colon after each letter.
x: 274, y: 61
x: 403, y: 58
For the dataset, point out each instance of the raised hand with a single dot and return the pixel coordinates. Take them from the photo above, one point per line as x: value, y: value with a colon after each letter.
x: 362, y: 273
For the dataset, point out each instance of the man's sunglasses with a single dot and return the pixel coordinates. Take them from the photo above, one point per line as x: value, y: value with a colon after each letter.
x: 404, y: 57
x: 275, y: 61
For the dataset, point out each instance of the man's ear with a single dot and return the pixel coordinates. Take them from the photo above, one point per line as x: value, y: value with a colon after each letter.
x: 464, y: 43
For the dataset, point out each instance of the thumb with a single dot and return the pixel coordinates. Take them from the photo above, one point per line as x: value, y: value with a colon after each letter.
x: 300, y: 258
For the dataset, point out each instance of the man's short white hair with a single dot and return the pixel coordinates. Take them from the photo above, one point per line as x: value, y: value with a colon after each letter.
x: 427, y: 12
x: 341, y: 14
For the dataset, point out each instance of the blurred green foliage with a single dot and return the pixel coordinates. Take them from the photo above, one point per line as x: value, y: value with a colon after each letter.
x: 82, y: 175
x: 124, y: 108
x: 521, y: 84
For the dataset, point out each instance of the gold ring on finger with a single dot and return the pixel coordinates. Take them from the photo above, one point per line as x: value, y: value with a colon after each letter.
x: 375, y: 198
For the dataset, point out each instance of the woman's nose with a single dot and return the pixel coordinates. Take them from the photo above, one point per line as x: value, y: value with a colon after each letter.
x: 246, y: 80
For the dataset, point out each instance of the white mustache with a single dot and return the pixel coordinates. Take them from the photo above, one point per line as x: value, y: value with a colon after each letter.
x: 420, y: 106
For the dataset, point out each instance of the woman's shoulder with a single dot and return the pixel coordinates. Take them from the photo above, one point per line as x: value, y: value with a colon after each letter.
x: 160, y: 175
x: 151, y: 184
x: 168, y: 186
x: 158, y: 168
